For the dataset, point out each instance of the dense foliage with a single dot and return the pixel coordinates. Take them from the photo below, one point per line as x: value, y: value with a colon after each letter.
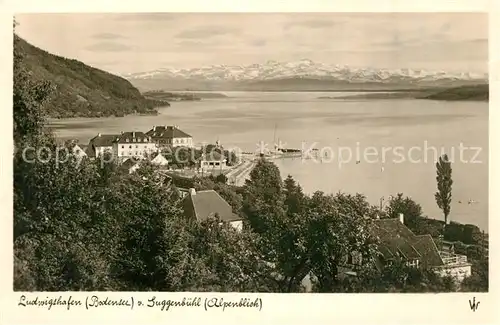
x: 82, y: 91
x: 473, y: 92
x: 83, y: 225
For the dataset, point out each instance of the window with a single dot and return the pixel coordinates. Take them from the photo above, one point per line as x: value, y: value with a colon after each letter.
x: 136, y: 146
x: 123, y: 147
x: 126, y: 140
x: 133, y: 139
x: 130, y: 147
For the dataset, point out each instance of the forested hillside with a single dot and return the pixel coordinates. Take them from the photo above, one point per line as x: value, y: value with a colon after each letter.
x: 82, y: 91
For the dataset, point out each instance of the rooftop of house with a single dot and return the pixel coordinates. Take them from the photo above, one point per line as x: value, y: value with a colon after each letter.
x: 170, y: 132
x: 398, y: 240
x: 103, y: 140
x: 127, y: 137
x: 208, y: 203
x: 129, y: 163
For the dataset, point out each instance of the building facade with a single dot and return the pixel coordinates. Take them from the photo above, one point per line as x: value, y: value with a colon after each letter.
x: 100, y: 144
x: 133, y: 145
x: 212, y: 161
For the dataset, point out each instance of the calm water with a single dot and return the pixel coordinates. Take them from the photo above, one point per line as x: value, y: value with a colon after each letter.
x: 415, y: 126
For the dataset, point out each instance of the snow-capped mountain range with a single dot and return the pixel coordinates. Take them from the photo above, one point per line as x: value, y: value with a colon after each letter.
x: 300, y: 69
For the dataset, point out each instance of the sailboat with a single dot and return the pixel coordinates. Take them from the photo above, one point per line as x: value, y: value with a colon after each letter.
x: 280, y: 152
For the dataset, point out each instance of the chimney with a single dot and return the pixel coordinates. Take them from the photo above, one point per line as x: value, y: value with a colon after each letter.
x: 402, y: 218
x: 98, y: 135
x: 121, y: 132
x: 192, y: 191
x: 154, y: 128
x: 133, y: 134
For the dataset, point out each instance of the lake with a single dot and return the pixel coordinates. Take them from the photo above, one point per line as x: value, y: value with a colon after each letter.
x: 392, y: 142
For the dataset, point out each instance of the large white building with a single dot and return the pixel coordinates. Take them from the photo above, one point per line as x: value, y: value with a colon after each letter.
x: 133, y: 144
x: 101, y: 143
x: 170, y: 136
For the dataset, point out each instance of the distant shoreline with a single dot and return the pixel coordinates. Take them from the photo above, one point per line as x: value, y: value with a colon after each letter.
x: 464, y: 93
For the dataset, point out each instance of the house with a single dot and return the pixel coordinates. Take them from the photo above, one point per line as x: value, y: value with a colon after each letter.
x: 130, y: 165
x: 133, y: 144
x: 158, y: 159
x: 212, y: 160
x: 79, y: 151
x: 101, y: 143
x: 204, y: 204
x: 398, y: 242
x: 170, y: 136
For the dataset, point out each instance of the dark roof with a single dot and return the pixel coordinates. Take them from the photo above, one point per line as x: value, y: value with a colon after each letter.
x: 208, y: 203
x: 168, y: 132
x: 130, y: 136
x: 428, y: 249
x: 103, y: 140
x: 129, y: 163
x: 90, y: 151
x: 398, y: 240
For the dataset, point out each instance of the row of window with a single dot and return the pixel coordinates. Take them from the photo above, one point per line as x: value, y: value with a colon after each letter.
x: 137, y: 146
x: 175, y: 141
x: 137, y: 140
x: 210, y: 163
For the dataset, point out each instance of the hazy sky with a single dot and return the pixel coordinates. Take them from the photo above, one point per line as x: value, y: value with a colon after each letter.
x: 124, y: 43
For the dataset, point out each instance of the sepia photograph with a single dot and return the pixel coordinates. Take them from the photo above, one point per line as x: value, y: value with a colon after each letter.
x: 329, y: 152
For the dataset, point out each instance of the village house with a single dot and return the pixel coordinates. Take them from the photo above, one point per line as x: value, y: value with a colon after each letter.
x: 398, y: 243
x: 133, y: 144
x: 159, y: 160
x: 201, y: 205
x: 79, y: 151
x: 130, y: 165
x: 100, y: 144
x: 212, y: 161
x: 170, y: 136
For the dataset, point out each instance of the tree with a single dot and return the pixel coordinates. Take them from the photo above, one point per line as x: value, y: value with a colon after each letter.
x: 444, y: 183
x: 294, y: 197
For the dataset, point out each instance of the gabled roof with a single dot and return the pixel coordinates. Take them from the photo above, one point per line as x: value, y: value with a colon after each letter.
x: 208, y: 203
x: 428, y: 249
x: 168, y: 132
x: 129, y: 163
x: 90, y: 152
x: 103, y: 140
x: 398, y: 240
x: 131, y: 136
x: 158, y: 159
x: 79, y: 150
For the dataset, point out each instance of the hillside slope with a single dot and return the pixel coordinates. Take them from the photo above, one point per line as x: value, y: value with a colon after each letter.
x: 81, y: 90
